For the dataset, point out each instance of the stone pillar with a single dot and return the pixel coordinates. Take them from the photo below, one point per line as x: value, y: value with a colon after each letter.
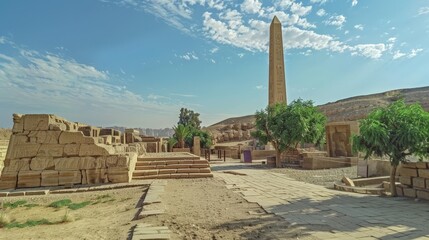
x: 277, y: 82
x: 196, y: 149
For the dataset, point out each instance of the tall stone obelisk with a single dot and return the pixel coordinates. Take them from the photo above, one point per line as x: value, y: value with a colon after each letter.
x: 277, y: 82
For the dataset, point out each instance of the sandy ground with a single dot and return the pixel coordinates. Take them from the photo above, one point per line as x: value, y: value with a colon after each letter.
x: 205, y: 209
x: 110, y: 218
x: 195, y: 209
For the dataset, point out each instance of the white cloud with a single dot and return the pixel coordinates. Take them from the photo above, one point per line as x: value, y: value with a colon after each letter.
x: 337, y: 21
x: 423, y: 10
x: 319, y: 1
x: 251, y: 6
x: 354, y: 3
x: 212, y: 60
x: 183, y: 95
x: 300, y: 10
x: 398, y: 54
x: 391, y: 40
x: 189, y: 56
x: 358, y: 27
x: 47, y: 82
x: 214, y: 50
x: 373, y: 51
x: 414, y: 52
x: 240, y: 55
x: 321, y: 12
x: 246, y: 25
x: 346, y: 32
x: 259, y: 87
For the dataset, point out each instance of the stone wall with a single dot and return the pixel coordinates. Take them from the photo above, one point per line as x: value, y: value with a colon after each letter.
x: 328, y: 162
x: 46, y: 150
x: 414, y: 179
x: 3, y: 150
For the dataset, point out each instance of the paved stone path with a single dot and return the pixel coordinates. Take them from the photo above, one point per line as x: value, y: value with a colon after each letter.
x: 329, y: 214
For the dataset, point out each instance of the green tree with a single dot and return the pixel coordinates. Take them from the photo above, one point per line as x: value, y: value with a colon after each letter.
x: 205, y: 138
x: 181, y: 132
x: 189, y: 118
x: 398, y: 130
x: 286, y: 126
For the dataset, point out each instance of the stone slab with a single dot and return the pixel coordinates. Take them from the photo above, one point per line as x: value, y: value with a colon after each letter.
x: 49, y: 178
x: 29, y: 179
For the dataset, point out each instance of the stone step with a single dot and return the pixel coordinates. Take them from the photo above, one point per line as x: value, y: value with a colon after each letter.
x: 171, y: 166
x: 174, y: 175
x: 167, y: 158
x: 168, y: 162
x: 169, y: 171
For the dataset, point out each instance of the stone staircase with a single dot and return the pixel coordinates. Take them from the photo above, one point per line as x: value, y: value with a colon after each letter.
x: 171, y: 165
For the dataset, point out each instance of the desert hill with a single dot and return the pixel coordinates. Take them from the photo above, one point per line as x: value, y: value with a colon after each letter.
x: 349, y: 109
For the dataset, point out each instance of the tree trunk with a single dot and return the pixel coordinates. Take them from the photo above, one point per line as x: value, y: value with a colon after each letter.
x: 182, y: 143
x: 392, y: 180
x: 278, y: 161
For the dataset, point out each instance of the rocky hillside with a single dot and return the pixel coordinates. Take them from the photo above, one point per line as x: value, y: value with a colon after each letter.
x: 348, y: 109
x: 355, y: 108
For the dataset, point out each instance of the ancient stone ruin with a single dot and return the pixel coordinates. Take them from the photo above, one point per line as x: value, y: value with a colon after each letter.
x: 46, y: 150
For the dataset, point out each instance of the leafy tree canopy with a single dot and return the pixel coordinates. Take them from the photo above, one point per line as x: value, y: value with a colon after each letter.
x: 396, y: 131
x: 189, y: 118
x: 286, y: 126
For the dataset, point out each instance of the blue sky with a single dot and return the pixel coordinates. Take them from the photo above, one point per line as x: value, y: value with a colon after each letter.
x: 137, y: 62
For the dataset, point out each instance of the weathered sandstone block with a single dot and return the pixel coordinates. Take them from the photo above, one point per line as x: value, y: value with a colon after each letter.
x: 424, y: 173
x: 422, y: 194
x: 94, y: 176
x: 42, y: 163
x: 112, y: 161
x: 421, y: 164
x: 92, y: 150
x: 18, y: 123
x: 8, y: 180
x: 116, y: 175
x: 107, y: 140
x: 74, y: 137
x: 49, y: 178
x: 419, y: 182
x: 67, y: 163
x: 45, y: 136
x: 71, y: 149
x: 16, y: 165
x: 27, y: 150
x: 29, y: 179
x: 51, y: 150
x: 37, y: 121
x: 405, y: 180
x: 410, y: 192
x: 408, y: 172
x: 409, y: 165
x: 69, y: 177
x: 92, y: 163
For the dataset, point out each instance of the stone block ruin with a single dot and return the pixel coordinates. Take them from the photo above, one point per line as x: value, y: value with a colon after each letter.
x: 47, y: 150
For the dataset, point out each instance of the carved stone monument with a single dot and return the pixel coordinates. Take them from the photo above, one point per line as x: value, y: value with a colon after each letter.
x: 277, y: 82
x: 338, y: 136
